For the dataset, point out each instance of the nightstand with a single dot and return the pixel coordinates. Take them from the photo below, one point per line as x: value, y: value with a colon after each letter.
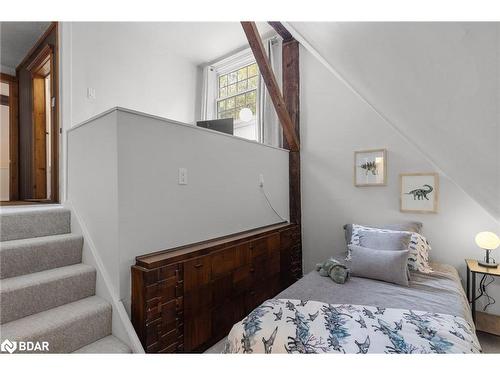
x: 474, y: 268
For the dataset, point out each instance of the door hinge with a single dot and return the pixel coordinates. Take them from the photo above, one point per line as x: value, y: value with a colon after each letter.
x: 53, y: 101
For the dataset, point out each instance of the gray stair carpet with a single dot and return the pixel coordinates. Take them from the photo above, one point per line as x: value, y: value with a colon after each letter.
x: 66, y: 328
x: 39, y: 223
x: 108, y: 344
x: 46, y: 293
x: 20, y: 257
x: 29, y: 294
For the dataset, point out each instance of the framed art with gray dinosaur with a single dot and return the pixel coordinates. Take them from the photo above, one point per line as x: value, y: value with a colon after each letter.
x: 370, y: 168
x: 419, y: 192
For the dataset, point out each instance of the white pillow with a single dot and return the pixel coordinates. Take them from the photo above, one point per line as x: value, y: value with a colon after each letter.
x: 418, y: 259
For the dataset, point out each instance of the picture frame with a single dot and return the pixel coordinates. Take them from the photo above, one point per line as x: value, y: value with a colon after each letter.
x: 370, y: 167
x: 419, y: 192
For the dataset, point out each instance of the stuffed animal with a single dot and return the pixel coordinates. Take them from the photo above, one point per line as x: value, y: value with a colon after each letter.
x: 334, y: 269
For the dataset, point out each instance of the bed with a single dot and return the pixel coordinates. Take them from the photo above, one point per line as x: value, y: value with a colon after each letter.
x: 432, y: 315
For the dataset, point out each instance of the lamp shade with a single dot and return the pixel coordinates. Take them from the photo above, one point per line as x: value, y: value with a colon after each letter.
x: 246, y: 114
x: 487, y: 240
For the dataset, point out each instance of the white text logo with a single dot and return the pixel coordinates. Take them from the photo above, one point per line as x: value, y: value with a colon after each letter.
x: 24, y: 346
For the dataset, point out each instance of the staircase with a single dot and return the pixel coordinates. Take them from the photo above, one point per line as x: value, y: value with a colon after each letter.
x: 46, y: 292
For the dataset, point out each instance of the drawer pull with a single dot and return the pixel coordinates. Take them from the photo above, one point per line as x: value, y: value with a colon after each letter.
x: 199, y: 265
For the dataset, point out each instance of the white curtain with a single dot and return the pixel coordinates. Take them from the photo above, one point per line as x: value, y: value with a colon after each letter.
x: 270, y: 129
x: 208, y: 94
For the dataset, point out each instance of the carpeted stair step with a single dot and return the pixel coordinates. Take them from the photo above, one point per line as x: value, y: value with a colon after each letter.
x: 30, y: 294
x: 21, y: 257
x: 66, y: 328
x: 36, y: 223
x: 107, y: 345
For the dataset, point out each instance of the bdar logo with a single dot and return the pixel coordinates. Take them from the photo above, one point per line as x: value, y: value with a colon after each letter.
x: 8, y: 346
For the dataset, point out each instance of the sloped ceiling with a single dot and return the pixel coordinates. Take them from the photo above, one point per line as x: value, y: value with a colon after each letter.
x: 438, y: 83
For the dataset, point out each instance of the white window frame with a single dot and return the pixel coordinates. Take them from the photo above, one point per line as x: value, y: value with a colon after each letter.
x: 227, y: 65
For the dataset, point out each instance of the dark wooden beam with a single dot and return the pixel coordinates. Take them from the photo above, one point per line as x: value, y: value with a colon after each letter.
x: 259, y: 53
x: 281, y: 30
x: 291, y: 96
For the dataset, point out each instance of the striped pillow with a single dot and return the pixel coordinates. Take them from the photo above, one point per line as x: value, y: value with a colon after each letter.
x: 418, y: 259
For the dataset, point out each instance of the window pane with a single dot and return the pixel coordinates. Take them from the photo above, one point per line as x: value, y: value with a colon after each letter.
x: 230, y: 103
x: 252, y: 70
x: 252, y: 106
x: 242, y: 86
x: 251, y: 97
x: 223, y: 92
x: 242, y: 74
x: 221, y: 105
x: 240, y: 100
x: 223, y: 81
x: 252, y: 82
x: 232, y: 77
x: 231, y: 90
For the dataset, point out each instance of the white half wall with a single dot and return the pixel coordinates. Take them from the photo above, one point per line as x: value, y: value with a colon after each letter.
x: 123, y: 183
x: 127, y: 64
x: 335, y: 122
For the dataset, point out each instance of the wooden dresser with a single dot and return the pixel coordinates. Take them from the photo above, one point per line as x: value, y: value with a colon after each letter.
x: 187, y: 298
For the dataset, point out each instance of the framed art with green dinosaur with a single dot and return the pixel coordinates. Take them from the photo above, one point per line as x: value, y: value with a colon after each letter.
x: 419, y: 192
x: 370, y: 167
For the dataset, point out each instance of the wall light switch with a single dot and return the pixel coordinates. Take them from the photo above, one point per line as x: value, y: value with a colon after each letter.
x: 90, y: 93
x: 183, y: 176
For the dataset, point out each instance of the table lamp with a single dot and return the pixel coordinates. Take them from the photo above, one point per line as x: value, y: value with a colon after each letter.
x: 487, y: 241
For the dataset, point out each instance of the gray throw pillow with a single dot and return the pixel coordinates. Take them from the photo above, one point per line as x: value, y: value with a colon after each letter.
x: 412, y: 226
x: 385, y: 265
x: 384, y: 241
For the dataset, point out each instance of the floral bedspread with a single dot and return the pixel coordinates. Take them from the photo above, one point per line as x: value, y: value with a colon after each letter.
x: 294, y: 326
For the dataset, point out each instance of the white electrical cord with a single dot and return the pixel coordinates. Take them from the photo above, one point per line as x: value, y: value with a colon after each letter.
x: 270, y: 205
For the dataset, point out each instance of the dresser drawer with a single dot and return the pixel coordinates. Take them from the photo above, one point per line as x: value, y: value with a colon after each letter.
x: 166, y: 289
x: 227, y: 260
x: 187, y: 299
x: 197, y: 273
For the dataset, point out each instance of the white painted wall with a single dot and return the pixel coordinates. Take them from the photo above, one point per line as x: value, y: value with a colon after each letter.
x: 128, y: 65
x: 123, y: 182
x: 438, y: 83
x: 334, y: 123
x: 93, y: 186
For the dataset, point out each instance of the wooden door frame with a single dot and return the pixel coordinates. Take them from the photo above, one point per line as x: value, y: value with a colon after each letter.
x: 13, y: 134
x: 52, y: 52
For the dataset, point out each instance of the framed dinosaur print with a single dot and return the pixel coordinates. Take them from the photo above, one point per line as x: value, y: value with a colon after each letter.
x: 370, y: 168
x: 419, y: 192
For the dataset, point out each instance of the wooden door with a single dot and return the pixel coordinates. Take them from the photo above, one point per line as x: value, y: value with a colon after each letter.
x: 44, y: 147
x: 40, y: 138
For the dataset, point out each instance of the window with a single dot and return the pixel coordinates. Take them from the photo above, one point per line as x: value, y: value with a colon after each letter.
x: 233, y: 88
x: 237, y: 97
x: 238, y: 90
